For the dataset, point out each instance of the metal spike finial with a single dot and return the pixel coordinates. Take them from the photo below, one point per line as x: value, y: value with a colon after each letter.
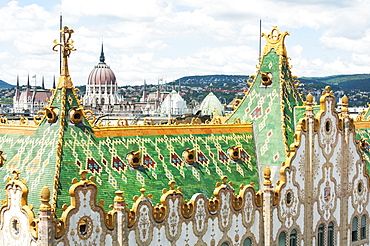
x: 102, y: 57
x: 66, y: 47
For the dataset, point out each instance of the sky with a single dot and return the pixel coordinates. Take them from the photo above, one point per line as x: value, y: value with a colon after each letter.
x: 149, y: 40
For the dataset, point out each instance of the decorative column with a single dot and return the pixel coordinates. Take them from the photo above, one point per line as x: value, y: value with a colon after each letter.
x: 309, y: 126
x: 45, y: 228
x: 344, y: 193
x: 122, y: 222
x: 267, y: 206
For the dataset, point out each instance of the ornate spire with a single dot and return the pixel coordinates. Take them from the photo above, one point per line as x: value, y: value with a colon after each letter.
x: 28, y: 81
x: 275, y: 40
x: 43, y: 83
x: 102, y: 58
x: 67, y: 47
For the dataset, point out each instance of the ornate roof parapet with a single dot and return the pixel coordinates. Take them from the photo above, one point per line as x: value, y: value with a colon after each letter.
x: 83, y: 198
x: 275, y: 40
x: 17, y: 212
x: 67, y: 47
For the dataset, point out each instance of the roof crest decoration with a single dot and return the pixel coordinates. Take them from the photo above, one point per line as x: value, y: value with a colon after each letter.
x: 67, y: 47
x: 275, y: 40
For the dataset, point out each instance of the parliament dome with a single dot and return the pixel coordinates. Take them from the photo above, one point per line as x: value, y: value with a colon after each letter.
x: 102, y: 74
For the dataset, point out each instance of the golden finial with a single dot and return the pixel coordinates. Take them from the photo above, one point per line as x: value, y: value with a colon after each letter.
x: 309, y: 101
x: 275, y: 40
x: 45, y: 198
x: 67, y: 47
x: 267, y: 176
x: 119, y: 196
x: 309, y: 98
x: 345, y: 101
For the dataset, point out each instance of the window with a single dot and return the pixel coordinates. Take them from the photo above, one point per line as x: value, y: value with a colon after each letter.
x: 293, y: 238
x: 224, y: 244
x: 282, y: 239
x: 247, y: 242
x: 363, y: 227
x: 354, y: 229
x: 320, y: 235
x: 331, y: 234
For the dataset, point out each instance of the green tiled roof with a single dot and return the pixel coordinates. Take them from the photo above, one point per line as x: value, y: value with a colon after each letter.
x: 105, y: 157
x: 271, y: 109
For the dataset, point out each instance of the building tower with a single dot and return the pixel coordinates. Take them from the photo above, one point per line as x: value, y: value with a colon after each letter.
x: 101, y: 90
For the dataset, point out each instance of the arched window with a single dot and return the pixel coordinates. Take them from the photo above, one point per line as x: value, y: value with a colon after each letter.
x: 293, y: 238
x: 354, y: 229
x: 363, y: 227
x: 282, y: 239
x: 320, y: 235
x: 247, y: 242
x: 331, y: 234
x: 225, y: 244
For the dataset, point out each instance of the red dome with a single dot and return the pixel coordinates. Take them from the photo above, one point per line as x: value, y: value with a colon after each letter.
x: 102, y: 75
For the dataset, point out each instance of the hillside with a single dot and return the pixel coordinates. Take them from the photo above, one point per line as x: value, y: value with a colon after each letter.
x: 349, y: 82
x: 4, y: 84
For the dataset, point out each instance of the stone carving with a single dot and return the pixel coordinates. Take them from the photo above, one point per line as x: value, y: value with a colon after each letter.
x: 225, y: 209
x: 200, y: 215
x: 248, y: 207
x: 173, y: 217
x: 144, y: 223
x: 289, y: 201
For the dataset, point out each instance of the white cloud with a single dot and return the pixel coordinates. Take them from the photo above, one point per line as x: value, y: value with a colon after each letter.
x: 149, y: 39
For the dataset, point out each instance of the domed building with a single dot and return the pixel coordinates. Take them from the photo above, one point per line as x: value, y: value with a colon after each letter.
x: 210, y: 104
x: 101, y: 90
x: 173, y: 105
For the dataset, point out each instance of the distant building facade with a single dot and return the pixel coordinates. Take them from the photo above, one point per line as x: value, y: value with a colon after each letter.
x: 31, y: 100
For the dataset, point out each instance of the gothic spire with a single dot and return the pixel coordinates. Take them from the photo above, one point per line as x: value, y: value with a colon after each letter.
x: 102, y: 58
x: 28, y: 81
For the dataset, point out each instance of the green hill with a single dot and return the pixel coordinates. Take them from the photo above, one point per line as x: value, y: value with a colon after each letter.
x: 352, y: 81
x: 4, y: 84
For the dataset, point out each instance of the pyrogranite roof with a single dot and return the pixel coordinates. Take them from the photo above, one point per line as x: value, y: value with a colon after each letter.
x: 269, y: 104
x: 64, y: 141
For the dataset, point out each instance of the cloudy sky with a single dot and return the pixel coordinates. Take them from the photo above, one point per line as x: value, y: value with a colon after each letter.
x: 145, y: 39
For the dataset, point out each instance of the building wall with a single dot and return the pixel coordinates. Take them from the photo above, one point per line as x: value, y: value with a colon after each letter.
x: 323, y: 189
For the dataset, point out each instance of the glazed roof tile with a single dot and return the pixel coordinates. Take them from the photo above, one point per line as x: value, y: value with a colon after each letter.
x: 65, y: 141
x: 269, y: 103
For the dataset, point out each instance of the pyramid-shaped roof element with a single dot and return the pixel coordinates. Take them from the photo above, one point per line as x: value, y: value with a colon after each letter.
x: 66, y: 140
x: 211, y: 104
x: 269, y: 103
